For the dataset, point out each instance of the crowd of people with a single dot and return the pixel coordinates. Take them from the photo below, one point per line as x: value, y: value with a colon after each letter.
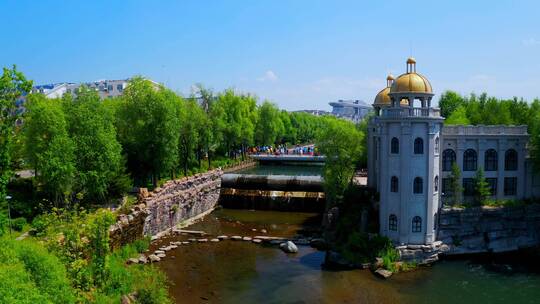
x: 284, y: 150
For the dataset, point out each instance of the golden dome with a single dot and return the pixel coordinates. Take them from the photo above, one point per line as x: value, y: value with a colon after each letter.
x: 411, y: 82
x: 383, y: 99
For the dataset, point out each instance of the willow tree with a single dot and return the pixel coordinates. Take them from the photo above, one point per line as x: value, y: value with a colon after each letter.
x: 342, y: 144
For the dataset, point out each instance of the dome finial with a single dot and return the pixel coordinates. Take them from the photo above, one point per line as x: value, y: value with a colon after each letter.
x: 389, y: 80
x: 411, y: 65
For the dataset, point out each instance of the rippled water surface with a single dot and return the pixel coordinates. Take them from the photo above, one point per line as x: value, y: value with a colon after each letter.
x: 243, y: 272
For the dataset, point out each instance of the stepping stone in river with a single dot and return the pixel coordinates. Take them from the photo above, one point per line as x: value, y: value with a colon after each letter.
x: 214, y: 240
x: 222, y: 237
x: 143, y: 259
x: 192, y: 240
x: 161, y: 255
x: 154, y: 258
x: 246, y: 238
x: 202, y: 240
x: 257, y: 241
x: 185, y: 243
x: 133, y: 261
x: 236, y: 237
x: 159, y: 252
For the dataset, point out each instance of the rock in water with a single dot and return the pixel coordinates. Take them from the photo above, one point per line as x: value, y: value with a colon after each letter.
x: 288, y: 247
x: 154, y: 258
x: 383, y: 273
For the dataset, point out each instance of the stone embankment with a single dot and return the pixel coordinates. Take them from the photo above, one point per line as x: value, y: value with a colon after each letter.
x: 489, y: 229
x: 479, y: 230
x: 176, y: 202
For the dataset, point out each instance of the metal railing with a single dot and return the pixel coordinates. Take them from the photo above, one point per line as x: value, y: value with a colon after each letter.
x: 410, y: 112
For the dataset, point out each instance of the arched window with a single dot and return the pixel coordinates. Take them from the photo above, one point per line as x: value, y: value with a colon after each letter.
x: 437, y: 144
x: 490, y: 160
x: 418, y: 146
x: 394, y: 184
x: 392, y: 222
x: 510, y: 160
x: 394, y: 146
x: 469, y: 160
x: 448, y: 159
x: 417, y: 224
x: 418, y: 186
x: 436, y: 184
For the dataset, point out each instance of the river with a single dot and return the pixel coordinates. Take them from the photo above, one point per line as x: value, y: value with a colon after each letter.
x: 244, y: 272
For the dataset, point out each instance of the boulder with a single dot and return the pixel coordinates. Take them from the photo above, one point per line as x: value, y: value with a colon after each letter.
x: 317, y: 243
x: 154, y: 258
x: 222, y: 237
x: 133, y: 261
x: 257, y: 241
x: 288, y: 247
x: 161, y: 255
x: 214, y: 240
x: 236, y: 238
x: 383, y: 273
x: 143, y: 259
x: 247, y: 238
x: 159, y: 252
x: 202, y: 240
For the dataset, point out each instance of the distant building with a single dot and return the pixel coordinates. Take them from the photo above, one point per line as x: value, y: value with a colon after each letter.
x: 105, y: 88
x: 353, y: 110
x: 314, y: 112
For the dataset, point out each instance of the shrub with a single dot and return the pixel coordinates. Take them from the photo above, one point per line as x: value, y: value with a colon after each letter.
x: 18, y: 223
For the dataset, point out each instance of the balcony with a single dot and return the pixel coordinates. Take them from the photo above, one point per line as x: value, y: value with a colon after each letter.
x: 402, y: 112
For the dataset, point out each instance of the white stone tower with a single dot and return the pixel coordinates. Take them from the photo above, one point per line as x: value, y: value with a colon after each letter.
x: 403, y: 158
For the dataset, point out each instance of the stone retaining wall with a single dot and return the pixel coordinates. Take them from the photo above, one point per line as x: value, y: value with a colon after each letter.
x: 175, y: 202
x: 180, y: 200
x: 489, y: 229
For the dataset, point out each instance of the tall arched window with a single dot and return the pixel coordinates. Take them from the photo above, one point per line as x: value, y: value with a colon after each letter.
x: 417, y: 224
x: 418, y: 186
x: 394, y: 184
x: 510, y: 160
x: 490, y: 160
x: 392, y: 222
x: 469, y: 160
x: 437, y: 144
x: 394, y: 146
x: 448, y: 159
x: 436, y: 184
x: 418, y: 146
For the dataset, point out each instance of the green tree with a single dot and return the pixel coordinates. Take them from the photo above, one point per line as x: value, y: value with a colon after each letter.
x: 458, y: 117
x: 481, y: 187
x: 449, y: 102
x: 455, y: 184
x: 13, y: 85
x: 48, y: 147
x: 269, y: 125
x: 98, y: 154
x: 341, y: 143
x: 147, y: 125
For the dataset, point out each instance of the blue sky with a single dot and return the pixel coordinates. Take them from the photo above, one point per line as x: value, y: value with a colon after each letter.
x: 299, y: 54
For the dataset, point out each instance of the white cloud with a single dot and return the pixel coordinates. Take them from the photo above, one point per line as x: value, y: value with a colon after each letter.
x: 268, y: 76
x: 531, y: 42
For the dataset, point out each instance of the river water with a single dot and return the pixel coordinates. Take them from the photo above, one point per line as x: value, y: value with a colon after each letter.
x: 244, y: 272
